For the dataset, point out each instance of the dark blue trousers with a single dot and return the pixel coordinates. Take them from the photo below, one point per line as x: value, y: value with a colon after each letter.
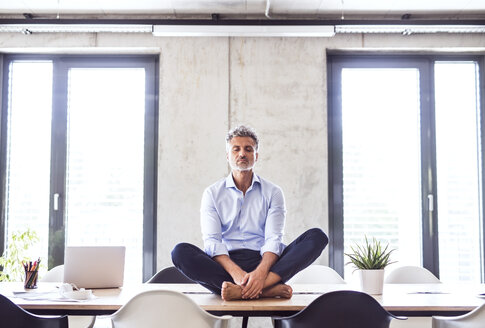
x: 201, y: 268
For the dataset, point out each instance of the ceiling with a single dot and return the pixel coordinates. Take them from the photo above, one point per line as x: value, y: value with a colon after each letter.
x: 240, y: 9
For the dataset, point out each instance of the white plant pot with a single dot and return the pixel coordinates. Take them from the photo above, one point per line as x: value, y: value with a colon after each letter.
x: 372, y: 281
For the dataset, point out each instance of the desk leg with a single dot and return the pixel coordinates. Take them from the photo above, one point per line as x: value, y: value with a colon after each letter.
x: 245, y: 322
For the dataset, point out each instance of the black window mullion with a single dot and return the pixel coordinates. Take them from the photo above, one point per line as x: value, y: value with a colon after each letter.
x: 3, y: 149
x: 481, y: 93
x: 335, y: 171
x: 150, y: 171
x: 57, y: 231
x: 428, y: 169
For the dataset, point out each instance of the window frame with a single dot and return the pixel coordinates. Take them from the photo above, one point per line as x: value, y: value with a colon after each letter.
x: 425, y: 63
x: 61, y: 66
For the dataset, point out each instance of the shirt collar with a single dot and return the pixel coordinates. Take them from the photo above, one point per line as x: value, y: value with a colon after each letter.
x: 230, y: 181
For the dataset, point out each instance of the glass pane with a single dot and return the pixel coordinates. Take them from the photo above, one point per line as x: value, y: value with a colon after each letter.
x: 458, y: 162
x: 104, y: 200
x: 28, y: 152
x: 381, y: 160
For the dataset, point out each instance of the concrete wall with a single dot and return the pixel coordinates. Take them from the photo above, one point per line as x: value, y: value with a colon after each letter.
x: 275, y: 85
x: 207, y: 85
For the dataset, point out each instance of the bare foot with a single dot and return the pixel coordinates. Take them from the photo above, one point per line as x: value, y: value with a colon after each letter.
x: 230, y: 291
x: 279, y: 290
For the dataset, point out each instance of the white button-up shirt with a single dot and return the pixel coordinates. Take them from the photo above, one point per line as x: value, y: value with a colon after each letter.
x: 231, y: 220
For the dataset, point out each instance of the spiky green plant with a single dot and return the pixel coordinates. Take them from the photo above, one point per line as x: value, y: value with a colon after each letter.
x: 371, y: 256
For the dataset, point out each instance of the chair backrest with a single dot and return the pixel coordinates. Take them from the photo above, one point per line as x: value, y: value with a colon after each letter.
x: 345, y: 308
x: 167, y: 308
x: 13, y: 316
x: 56, y: 274
x: 411, y: 275
x: 473, y: 319
x: 170, y: 275
x: 317, y: 274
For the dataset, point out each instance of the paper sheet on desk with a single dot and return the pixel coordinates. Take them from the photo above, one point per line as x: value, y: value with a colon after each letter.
x: 53, y: 296
x: 428, y: 292
x: 301, y: 289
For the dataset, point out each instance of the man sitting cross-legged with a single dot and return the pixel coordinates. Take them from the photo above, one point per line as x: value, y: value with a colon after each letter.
x: 242, y: 219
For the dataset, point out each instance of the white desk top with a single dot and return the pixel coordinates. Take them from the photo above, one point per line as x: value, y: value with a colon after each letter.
x: 406, y: 298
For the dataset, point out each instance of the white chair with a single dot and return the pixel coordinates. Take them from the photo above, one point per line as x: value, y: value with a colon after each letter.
x: 317, y: 274
x: 473, y: 319
x: 167, y: 308
x: 56, y: 274
x: 411, y: 275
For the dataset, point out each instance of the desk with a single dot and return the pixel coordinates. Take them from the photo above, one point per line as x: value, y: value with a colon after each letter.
x: 406, y: 299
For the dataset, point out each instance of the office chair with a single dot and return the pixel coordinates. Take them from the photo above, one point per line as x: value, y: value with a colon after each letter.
x: 56, y: 274
x: 473, y: 319
x: 13, y: 316
x: 167, y: 308
x: 411, y: 275
x: 345, y: 308
x: 170, y: 275
x: 316, y: 274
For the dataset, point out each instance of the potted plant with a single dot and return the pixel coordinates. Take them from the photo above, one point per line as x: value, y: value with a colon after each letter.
x: 11, y: 268
x: 371, y: 259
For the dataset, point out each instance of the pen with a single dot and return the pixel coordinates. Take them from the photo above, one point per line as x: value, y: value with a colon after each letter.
x: 37, y: 265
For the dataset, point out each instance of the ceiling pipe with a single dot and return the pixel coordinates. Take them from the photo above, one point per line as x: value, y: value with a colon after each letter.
x: 216, y: 20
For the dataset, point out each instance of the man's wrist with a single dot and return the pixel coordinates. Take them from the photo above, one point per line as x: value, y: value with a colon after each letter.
x: 264, y: 266
x: 263, y: 269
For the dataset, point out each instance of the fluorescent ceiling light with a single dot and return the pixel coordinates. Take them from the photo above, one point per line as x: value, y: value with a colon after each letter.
x: 410, y: 29
x: 75, y: 28
x: 245, y: 30
x: 174, y: 30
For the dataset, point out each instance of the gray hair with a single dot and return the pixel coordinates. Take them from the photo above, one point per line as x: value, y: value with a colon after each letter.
x: 242, y: 131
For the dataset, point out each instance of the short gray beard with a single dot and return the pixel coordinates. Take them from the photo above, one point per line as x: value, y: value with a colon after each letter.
x: 237, y: 168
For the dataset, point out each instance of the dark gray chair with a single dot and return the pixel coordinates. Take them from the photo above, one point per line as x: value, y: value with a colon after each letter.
x: 169, y: 275
x: 349, y: 309
x: 13, y: 316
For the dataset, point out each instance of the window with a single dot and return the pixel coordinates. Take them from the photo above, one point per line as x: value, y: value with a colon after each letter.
x: 458, y: 157
x: 78, y: 154
x: 405, y: 160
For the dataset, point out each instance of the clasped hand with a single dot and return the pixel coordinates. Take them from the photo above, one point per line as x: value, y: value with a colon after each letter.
x: 253, y: 283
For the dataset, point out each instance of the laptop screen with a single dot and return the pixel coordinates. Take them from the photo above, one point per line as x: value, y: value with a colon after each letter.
x: 94, y: 266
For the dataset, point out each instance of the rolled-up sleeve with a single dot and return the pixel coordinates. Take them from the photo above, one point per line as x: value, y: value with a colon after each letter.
x: 275, y: 224
x: 211, y: 226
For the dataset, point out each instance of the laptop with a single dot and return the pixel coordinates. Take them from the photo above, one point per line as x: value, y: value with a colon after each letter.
x: 94, y: 266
